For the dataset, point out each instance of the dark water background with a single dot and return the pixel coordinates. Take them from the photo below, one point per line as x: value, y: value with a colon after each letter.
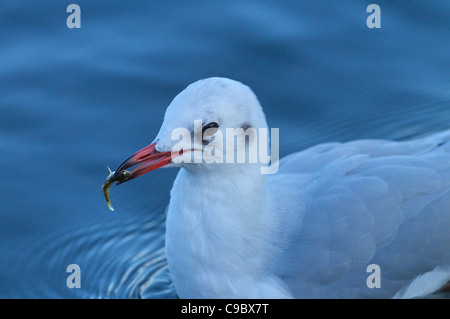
x: 73, y: 101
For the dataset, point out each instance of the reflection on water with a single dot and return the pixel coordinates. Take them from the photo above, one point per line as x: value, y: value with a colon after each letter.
x: 75, y: 101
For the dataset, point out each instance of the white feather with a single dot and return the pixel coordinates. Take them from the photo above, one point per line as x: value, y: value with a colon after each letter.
x: 425, y: 284
x: 311, y: 229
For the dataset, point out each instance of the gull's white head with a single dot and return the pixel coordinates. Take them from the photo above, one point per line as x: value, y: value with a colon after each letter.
x: 198, y: 122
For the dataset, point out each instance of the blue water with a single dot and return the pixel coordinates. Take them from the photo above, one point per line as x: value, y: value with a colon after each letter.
x: 73, y: 101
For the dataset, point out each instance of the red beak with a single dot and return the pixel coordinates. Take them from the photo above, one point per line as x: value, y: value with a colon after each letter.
x: 150, y: 158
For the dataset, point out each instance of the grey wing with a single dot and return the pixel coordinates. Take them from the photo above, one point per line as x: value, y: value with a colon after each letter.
x: 345, y: 206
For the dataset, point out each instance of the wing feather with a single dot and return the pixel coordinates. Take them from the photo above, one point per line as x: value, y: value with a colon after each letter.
x: 347, y: 205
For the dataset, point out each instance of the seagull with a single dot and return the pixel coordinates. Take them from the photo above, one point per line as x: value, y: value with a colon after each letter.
x: 360, y: 219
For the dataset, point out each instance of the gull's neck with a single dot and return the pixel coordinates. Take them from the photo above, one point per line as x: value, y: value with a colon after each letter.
x: 218, y: 236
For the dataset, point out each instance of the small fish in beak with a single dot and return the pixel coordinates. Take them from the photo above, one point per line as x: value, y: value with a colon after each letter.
x: 149, y: 158
x: 112, y: 177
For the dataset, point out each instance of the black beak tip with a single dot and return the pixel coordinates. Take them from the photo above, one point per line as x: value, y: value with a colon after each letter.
x: 122, y: 176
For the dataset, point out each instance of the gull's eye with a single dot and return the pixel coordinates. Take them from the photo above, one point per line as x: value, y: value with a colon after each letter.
x: 210, y: 128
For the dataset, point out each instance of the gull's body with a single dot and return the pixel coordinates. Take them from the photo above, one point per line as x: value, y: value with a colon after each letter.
x: 311, y: 229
